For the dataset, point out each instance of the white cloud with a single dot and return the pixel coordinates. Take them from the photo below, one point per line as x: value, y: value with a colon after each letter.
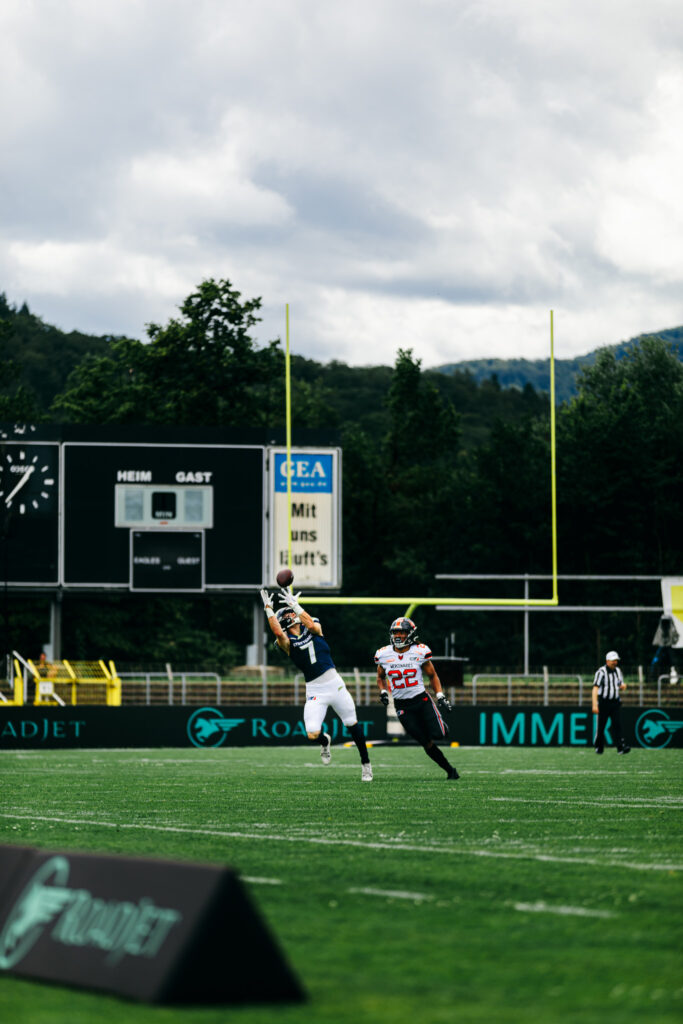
x: 415, y: 173
x: 640, y: 228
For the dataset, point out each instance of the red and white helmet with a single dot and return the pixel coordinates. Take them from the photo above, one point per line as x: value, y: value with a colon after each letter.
x: 402, y: 633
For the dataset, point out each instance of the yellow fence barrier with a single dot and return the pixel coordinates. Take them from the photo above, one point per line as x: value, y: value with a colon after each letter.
x: 74, y: 682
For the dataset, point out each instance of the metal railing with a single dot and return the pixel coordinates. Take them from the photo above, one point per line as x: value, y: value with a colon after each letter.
x: 179, y: 688
x: 545, y: 677
x: 172, y: 681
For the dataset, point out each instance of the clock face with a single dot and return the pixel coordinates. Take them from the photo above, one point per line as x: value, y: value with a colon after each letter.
x: 28, y: 478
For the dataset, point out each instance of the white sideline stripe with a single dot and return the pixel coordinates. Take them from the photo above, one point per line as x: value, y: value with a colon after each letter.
x: 394, y: 894
x: 319, y: 841
x: 261, y: 881
x: 552, y: 771
x: 544, y: 908
x: 663, y: 804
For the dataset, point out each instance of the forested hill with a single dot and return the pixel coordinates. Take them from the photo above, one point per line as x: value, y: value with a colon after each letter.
x: 47, y: 355
x: 515, y: 373
x: 44, y: 354
x: 332, y: 395
x: 326, y: 394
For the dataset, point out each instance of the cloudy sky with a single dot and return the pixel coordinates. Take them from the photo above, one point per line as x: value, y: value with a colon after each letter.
x: 425, y: 174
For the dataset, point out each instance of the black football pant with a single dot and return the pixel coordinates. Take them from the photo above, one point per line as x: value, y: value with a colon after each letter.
x: 608, y: 710
x: 420, y: 718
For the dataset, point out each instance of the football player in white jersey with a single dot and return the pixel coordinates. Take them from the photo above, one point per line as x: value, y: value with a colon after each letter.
x: 399, y: 669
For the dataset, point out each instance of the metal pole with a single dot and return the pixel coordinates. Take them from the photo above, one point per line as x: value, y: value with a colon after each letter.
x: 260, y: 642
x: 526, y: 626
x: 288, y: 428
x: 56, y: 626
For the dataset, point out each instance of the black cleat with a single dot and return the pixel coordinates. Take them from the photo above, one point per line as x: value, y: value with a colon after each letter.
x: 599, y: 750
x: 452, y: 774
x: 624, y: 750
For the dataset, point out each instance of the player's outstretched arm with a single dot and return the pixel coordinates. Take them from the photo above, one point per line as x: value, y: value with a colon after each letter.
x: 311, y: 625
x: 275, y: 627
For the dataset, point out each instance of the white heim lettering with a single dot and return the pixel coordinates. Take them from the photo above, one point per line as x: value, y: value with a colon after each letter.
x: 134, y: 476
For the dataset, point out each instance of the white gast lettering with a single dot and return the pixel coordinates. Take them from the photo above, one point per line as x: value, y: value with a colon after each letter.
x: 190, y: 477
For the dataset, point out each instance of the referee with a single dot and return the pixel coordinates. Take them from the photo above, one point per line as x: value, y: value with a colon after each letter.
x: 607, y: 687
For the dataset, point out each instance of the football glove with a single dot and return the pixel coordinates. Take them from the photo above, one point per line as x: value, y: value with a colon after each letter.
x: 384, y: 697
x: 267, y: 600
x: 443, y: 703
x: 291, y: 600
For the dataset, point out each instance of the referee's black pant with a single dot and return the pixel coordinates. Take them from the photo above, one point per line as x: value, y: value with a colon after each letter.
x: 609, y: 709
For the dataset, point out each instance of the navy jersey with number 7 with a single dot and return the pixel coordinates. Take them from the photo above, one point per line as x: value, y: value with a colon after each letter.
x: 310, y: 653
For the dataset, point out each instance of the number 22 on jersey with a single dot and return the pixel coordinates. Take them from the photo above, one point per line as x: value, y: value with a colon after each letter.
x: 403, y: 677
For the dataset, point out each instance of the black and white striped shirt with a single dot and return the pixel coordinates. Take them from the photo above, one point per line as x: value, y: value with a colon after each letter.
x: 609, y: 682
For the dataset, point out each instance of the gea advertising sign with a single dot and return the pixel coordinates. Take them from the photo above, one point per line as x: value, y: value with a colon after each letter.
x: 315, y: 516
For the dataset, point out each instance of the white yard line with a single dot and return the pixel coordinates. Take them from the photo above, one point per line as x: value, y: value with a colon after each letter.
x: 544, y: 908
x: 394, y: 894
x: 357, y: 843
x: 664, y: 803
x: 555, y: 771
x: 261, y: 881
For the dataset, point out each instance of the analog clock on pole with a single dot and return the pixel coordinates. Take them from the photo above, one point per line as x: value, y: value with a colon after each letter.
x: 28, y: 481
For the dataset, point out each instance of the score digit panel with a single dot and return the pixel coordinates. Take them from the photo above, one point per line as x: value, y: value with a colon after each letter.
x: 146, y: 505
x: 208, y: 499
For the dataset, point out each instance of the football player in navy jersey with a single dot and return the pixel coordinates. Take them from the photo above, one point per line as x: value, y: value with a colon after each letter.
x: 399, y: 669
x: 300, y: 636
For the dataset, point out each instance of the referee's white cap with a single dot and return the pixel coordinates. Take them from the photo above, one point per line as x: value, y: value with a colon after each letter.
x: 612, y: 656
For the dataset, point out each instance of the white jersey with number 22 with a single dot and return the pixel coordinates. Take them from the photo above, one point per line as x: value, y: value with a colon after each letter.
x: 403, y: 669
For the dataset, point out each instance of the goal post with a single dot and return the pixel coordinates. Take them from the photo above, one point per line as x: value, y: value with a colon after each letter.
x: 411, y: 603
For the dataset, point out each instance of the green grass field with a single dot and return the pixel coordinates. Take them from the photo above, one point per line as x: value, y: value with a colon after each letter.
x: 544, y: 886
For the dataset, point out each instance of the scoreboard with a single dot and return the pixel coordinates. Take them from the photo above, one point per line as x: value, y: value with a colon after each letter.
x: 162, y: 517
x: 153, y: 515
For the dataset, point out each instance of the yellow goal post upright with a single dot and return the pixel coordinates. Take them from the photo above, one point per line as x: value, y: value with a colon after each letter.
x: 411, y: 603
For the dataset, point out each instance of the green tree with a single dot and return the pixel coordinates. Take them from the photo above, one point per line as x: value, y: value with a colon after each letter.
x: 405, y: 484
x: 502, y: 519
x: 201, y: 369
x: 18, y: 404
x: 620, y: 453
